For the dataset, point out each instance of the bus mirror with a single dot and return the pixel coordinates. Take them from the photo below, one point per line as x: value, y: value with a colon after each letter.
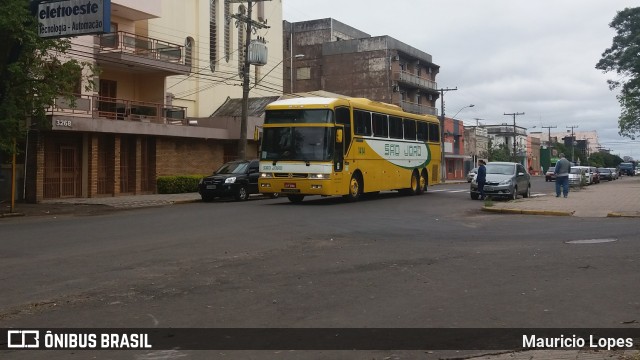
x: 339, y: 136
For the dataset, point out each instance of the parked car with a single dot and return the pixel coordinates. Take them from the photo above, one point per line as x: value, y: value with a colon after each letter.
x: 237, y: 179
x: 605, y: 174
x: 550, y: 174
x: 472, y: 173
x: 504, y: 179
x: 615, y: 173
x: 577, y: 175
x: 595, y: 175
x: 587, y: 173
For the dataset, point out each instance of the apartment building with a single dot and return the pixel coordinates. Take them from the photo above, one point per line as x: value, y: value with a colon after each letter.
x: 454, y: 149
x: 164, y: 65
x: 326, y: 54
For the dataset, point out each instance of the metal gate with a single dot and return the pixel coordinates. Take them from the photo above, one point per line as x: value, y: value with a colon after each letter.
x: 62, y: 171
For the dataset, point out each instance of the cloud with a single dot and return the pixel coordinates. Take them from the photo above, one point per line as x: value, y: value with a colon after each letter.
x: 536, y: 57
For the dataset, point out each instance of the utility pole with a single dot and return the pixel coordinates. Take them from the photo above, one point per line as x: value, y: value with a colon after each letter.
x: 549, y: 128
x: 250, y: 24
x: 443, y: 170
x: 573, y: 145
x: 515, y: 156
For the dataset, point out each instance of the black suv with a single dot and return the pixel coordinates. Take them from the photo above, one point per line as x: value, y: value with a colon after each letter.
x: 238, y: 179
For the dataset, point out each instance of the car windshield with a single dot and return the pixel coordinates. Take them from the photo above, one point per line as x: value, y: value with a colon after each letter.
x: 500, y: 169
x: 233, y: 168
x: 474, y: 171
x: 575, y: 171
x: 298, y: 143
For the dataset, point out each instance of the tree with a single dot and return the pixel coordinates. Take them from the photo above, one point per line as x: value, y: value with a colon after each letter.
x: 622, y: 57
x: 500, y: 152
x: 33, y: 72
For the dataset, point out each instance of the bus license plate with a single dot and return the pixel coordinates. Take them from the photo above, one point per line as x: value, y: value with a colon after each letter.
x: 290, y: 185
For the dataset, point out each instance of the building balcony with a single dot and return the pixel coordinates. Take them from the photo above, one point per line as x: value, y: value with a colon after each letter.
x: 141, y: 54
x: 417, y: 108
x: 407, y: 78
x: 99, y: 107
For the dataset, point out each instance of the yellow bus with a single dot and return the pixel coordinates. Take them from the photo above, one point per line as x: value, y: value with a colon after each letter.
x: 346, y: 147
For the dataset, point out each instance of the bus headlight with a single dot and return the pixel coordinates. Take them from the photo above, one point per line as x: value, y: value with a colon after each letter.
x: 319, y: 176
x: 266, y: 175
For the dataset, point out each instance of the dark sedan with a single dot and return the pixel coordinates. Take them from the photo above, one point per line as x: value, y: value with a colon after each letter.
x: 606, y: 174
x: 237, y: 179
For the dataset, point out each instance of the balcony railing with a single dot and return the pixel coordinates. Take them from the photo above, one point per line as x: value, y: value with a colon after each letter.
x: 415, y: 80
x: 125, y: 42
x: 417, y: 108
x: 101, y: 107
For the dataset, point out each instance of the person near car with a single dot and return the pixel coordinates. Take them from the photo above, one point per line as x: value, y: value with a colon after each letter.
x: 481, y: 178
x: 563, y: 166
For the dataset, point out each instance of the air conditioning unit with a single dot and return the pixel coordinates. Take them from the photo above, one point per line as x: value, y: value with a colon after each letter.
x: 396, y: 88
x: 396, y: 58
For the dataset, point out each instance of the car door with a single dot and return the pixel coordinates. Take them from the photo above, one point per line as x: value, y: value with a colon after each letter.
x: 253, y: 174
x: 521, y: 178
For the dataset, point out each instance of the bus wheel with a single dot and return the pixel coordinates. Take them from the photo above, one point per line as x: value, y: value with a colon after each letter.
x: 295, y: 198
x: 423, y: 183
x: 415, y: 184
x: 355, y: 188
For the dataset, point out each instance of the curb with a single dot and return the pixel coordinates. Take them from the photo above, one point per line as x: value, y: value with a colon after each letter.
x: 15, y: 214
x: 623, y: 215
x: 527, y: 212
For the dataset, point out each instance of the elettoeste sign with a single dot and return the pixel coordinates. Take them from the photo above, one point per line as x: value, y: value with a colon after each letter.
x: 73, y: 17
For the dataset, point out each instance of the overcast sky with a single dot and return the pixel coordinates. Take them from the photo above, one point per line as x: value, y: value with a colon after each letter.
x: 504, y: 56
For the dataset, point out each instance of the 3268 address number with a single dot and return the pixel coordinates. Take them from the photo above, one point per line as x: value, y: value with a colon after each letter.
x: 65, y: 123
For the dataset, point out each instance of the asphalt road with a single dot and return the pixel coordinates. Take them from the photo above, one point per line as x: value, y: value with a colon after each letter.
x: 390, y: 261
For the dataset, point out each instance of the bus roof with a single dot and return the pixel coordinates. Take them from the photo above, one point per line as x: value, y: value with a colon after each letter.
x: 355, y: 102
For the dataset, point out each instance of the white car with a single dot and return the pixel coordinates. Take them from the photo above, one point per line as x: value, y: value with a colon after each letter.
x: 587, y: 172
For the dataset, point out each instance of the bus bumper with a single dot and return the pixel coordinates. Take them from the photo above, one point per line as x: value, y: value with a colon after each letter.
x: 298, y: 187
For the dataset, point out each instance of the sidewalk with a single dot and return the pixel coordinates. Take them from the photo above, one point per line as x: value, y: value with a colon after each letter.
x: 88, y: 206
x: 619, y: 198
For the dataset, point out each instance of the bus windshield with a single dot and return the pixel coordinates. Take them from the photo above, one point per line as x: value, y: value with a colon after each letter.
x: 301, y: 143
x: 319, y: 116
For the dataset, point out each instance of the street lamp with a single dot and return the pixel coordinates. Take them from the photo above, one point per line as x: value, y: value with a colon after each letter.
x: 464, y: 107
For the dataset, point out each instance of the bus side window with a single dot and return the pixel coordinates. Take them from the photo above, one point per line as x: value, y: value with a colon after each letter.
x: 409, y: 129
x: 434, y: 133
x: 423, y: 130
x: 362, y: 122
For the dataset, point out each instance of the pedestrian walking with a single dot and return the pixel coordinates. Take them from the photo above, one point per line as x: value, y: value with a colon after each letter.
x: 563, y: 166
x: 481, y: 178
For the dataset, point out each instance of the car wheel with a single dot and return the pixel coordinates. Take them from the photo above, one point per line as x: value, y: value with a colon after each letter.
x: 295, y: 198
x: 527, y: 193
x: 242, y: 194
x: 207, y: 198
x: 355, y: 188
x: 514, y: 193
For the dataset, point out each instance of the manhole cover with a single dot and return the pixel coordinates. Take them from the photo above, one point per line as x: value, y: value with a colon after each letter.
x: 591, y: 241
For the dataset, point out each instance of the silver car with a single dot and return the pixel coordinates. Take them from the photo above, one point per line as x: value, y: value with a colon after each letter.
x: 472, y: 174
x: 504, y: 179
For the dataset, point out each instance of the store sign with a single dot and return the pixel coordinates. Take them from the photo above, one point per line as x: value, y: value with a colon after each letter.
x: 73, y: 18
